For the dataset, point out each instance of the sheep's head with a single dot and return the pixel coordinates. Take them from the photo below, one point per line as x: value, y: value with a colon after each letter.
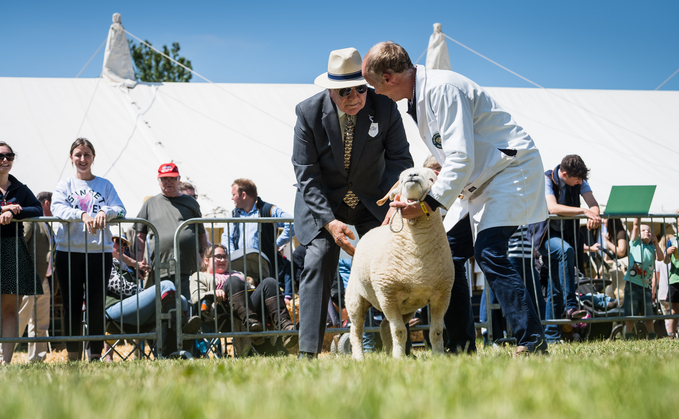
x: 413, y: 185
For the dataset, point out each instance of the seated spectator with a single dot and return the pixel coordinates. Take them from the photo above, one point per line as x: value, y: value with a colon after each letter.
x: 248, y: 204
x: 644, y: 251
x: 224, y: 286
x: 129, y: 304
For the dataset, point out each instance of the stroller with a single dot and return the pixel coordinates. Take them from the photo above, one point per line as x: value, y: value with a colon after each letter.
x: 591, y: 296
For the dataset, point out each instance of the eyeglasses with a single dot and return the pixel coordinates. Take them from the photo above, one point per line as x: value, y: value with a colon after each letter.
x: 8, y: 156
x: 347, y: 90
x: 116, y: 241
x: 220, y: 256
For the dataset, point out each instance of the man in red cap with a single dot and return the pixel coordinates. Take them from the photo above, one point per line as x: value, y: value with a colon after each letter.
x: 166, y: 211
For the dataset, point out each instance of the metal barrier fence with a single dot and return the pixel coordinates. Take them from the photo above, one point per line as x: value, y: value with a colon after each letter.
x: 589, y: 254
x: 58, y: 308
x: 255, y: 266
x: 257, y: 269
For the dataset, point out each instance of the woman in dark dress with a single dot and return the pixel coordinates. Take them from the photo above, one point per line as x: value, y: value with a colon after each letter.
x: 17, y: 272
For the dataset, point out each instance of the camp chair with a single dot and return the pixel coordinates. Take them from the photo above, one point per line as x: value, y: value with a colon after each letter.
x: 114, y: 327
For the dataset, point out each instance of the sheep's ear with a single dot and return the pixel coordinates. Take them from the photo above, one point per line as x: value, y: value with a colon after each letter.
x: 395, y: 190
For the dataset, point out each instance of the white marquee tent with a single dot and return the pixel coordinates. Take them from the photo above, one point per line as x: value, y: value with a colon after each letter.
x: 219, y: 132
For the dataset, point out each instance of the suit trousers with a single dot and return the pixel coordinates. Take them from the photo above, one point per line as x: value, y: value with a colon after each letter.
x: 459, y: 318
x: 320, y: 267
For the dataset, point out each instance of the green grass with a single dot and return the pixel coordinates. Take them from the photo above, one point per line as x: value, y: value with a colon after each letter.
x: 599, y: 380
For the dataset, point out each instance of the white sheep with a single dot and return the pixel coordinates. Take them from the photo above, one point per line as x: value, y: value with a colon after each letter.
x: 400, y: 268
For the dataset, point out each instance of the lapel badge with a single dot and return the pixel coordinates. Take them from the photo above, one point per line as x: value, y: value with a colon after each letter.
x: 436, y: 140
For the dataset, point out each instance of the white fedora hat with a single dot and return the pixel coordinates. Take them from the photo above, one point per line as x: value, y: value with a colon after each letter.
x: 344, y: 70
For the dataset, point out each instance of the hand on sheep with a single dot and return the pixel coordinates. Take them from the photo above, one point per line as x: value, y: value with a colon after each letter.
x: 390, y: 214
x: 409, y: 212
x: 340, y: 232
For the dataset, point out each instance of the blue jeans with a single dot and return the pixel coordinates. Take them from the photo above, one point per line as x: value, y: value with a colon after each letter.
x: 490, y: 252
x: 599, y: 301
x: 531, y: 278
x: 525, y: 268
x: 561, y: 289
x: 147, y: 306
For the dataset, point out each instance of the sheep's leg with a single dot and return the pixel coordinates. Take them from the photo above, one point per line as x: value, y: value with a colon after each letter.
x: 357, y: 308
x: 437, y: 308
x: 385, y: 334
x: 398, y: 331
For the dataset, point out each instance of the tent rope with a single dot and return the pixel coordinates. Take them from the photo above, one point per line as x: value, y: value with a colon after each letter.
x: 422, y: 55
x: 134, y: 129
x: 668, y: 79
x: 208, y: 80
x: 497, y: 64
x: 566, y: 100
x: 90, y: 60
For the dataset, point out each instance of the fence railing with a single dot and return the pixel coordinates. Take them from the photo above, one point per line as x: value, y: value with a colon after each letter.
x: 79, y: 300
x: 257, y: 266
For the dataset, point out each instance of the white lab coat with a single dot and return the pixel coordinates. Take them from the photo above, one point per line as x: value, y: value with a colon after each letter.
x: 465, y: 129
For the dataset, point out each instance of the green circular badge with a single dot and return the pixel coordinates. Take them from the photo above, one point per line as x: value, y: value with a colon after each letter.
x: 436, y: 140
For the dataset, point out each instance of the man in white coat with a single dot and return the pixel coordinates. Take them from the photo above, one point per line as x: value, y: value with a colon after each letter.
x: 491, y: 181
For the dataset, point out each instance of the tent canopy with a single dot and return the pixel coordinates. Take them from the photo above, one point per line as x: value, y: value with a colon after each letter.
x: 216, y: 133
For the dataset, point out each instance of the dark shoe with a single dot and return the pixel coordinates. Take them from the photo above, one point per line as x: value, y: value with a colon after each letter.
x: 191, y: 326
x: 576, y: 314
x: 168, y: 301
x: 307, y: 355
x: 254, y: 327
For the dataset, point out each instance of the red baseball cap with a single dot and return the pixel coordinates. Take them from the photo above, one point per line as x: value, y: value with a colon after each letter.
x: 168, y: 170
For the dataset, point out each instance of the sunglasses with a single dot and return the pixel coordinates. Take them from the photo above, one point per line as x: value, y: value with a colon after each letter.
x: 347, y: 90
x: 117, y: 241
x: 8, y: 156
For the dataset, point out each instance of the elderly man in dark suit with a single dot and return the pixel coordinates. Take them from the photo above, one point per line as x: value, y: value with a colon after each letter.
x: 349, y: 149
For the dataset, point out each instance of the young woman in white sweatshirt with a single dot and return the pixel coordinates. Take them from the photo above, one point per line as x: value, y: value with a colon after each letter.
x: 84, y: 245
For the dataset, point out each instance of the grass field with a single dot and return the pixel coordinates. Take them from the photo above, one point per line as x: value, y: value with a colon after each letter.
x: 636, y: 379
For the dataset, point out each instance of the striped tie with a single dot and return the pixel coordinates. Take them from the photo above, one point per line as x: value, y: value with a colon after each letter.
x: 350, y: 198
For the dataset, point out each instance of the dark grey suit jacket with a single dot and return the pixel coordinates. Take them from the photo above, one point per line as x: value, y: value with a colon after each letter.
x: 318, y: 159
